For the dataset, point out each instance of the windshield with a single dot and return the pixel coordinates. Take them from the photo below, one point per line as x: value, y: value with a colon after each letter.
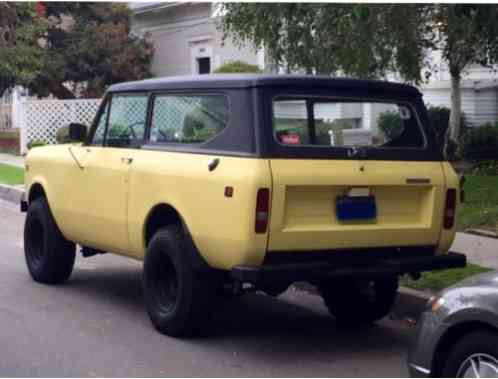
x: 335, y: 122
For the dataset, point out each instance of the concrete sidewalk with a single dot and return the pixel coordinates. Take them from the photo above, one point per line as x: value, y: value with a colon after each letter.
x: 479, y: 250
x: 13, y: 160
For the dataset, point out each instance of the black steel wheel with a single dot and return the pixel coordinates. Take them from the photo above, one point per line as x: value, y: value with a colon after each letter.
x: 49, y: 256
x: 179, y: 299
x: 359, y: 301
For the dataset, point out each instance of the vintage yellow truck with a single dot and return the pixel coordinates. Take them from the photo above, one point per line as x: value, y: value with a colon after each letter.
x: 231, y: 183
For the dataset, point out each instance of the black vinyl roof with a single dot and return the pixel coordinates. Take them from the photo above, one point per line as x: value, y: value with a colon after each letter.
x: 214, y: 81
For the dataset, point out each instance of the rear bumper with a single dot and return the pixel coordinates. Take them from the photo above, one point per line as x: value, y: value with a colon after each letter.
x: 305, y: 271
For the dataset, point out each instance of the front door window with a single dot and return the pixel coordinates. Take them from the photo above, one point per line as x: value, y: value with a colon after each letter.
x: 98, y: 136
x: 127, y: 120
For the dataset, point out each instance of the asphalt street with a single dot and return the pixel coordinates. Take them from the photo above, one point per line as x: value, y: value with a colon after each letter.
x: 96, y: 325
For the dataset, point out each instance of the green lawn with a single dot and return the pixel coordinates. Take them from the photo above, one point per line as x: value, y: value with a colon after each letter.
x: 11, y: 175
x: 480, y: 209
x: 437, y: 280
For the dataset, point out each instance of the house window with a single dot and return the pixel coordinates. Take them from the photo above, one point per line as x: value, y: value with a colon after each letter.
x: 204, y: 65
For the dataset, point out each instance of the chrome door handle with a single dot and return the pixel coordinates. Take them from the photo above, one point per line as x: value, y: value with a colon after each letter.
x: 126, y: 160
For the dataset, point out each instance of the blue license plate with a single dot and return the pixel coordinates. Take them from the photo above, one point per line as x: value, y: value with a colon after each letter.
x: 355, y: 208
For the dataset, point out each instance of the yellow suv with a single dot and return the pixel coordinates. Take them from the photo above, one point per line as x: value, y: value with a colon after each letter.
x: 234, y: 183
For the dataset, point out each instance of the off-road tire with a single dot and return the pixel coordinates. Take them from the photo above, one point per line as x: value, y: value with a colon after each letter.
x: 482, y: 341
x: 359, y: 302
x: 178, y: 298
x: 49, y: 256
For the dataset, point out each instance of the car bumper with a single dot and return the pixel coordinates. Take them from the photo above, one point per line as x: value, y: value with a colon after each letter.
x: 327, y: 269
x: 430, y: 329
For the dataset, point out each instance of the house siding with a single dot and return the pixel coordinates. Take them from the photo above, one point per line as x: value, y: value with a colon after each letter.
x: 486, y: 107
x: 478, y: 106
x: 182, y: 33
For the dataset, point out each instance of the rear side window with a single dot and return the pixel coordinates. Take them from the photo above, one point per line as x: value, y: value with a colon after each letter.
x: 345, y: 123
x: 188, y: 119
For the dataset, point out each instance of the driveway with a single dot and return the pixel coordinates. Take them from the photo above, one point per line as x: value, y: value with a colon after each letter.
x: 96, y: 325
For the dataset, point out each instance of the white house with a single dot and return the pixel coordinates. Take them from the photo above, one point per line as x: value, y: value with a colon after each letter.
x: 187, y: 41
x: 479, y: 98
x: 479, y: 90
x: 186, y: 38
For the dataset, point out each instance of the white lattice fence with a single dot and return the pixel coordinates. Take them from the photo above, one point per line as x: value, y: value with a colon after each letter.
x: 42, y: 118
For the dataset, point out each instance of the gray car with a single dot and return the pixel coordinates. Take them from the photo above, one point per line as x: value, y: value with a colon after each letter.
x: 458, y: 331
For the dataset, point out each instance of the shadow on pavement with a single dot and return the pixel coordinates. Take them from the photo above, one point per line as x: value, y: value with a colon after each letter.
x: 291, y: 318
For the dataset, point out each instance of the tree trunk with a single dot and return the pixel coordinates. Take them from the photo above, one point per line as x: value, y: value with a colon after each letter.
x: 456, y: 110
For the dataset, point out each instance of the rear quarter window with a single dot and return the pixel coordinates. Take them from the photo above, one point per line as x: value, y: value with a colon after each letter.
x: 188, y: 119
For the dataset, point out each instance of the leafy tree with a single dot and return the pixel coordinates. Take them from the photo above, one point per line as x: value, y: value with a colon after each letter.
x: 366, y: 41
x: 87, y: 48
x: 237, y: 67
x: 20, y: 51
x: 370, y: 40
x: 467, y: 34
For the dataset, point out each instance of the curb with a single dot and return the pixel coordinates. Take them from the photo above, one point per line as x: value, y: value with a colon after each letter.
x: 482, y: 233
x: 11, y: 193
x: 419, y: 295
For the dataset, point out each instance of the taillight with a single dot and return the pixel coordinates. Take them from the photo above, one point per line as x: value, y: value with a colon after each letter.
x: 262, y: 210
x: 450, y: 208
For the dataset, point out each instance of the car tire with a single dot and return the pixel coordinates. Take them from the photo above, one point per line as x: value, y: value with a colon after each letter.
x: 359, y: 302
x: 482, y: 345
x: 49, y: 256
x: 178, y: 298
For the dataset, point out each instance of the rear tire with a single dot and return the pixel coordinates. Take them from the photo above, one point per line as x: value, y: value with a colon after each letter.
x: 49, y: 256
x: 359, y: 302
x: 179, y: 299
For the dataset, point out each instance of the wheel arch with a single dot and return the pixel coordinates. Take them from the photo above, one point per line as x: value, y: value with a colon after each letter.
x: 159, y: 216
x: 162, y: 215
x: 36, y: 190
x: 454, y: 333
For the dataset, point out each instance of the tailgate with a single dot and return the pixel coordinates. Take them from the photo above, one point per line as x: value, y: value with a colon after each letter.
x: 408, y: 196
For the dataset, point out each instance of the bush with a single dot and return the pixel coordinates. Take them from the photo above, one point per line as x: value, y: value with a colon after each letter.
x: 390, y: 124
x: 237, y: 67
x: 62, y: 135
x: 481, y: 142
x: 486, y: 168
x: 439, y: 117
x: 36, y: 143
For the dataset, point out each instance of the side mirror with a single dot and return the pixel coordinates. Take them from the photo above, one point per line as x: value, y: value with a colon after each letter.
x: 77, y: 132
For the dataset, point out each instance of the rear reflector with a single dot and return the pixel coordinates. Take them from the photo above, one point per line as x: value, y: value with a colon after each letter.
x: 450, y: 208
x: 262, y: 210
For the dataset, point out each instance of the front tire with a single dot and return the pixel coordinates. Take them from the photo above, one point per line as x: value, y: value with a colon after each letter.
x: 179, y: 299
x: 49, y: 256
x: 359, y: 302
x: 474, y: 355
